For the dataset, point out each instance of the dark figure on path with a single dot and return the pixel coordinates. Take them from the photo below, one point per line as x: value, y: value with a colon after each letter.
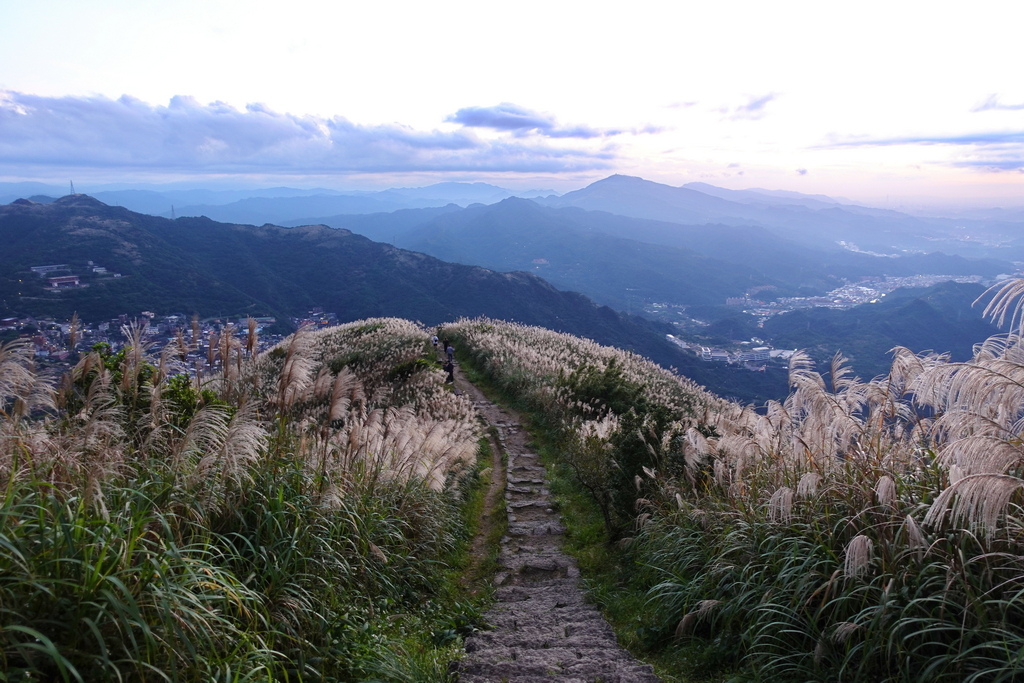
x: 449, y: 367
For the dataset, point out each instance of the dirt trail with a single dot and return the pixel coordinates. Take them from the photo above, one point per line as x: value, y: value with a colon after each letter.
x: 542, y: 628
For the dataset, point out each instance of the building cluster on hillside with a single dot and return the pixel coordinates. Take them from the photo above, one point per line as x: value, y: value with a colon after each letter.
x: 866, y: 291
x: 755, y: 358
x: 59, y: 275
x: 52, y: 339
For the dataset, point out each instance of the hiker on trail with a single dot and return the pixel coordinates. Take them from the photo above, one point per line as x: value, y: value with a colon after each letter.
x: 449, y: 367
x: 450, y: 350
x: 434, y: 339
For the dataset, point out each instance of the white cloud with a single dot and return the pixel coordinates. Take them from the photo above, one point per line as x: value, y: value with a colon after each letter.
x: 187, y: 136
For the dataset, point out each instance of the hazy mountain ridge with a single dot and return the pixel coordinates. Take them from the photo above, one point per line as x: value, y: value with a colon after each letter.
x: 804, y: 221
x: 810, y: 220
x: 216, y: 269
x: 620, y: 260
x: 623, y: 261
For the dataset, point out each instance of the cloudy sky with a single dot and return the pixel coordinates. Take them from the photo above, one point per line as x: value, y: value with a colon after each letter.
x: 884, y: 102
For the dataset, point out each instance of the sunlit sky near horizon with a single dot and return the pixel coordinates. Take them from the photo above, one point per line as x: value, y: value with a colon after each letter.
x: 888, y: 103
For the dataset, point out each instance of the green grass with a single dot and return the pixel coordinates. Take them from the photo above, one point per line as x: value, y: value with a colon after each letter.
x: 224, y: 547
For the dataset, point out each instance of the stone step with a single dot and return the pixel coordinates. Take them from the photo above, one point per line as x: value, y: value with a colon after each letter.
x: 534, y: 528
x: 540, y: 627
x: 553, y: 668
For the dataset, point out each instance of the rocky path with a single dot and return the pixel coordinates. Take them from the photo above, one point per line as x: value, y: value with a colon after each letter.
x: 542, y: 628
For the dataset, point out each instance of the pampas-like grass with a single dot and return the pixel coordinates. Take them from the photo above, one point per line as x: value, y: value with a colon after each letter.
x: 858, y: 555
x: 1005, y: 305
x: 807, y: 487
x: 21, y: 390
x: 780, y: 506
x: 295, y: 376
x: 885, y: 491
x: 915, y: 537
x: 977, y: 501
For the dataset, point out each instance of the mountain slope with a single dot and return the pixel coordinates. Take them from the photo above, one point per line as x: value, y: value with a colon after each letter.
x: 939, y: 318
x: 195, y: 265
x: 518, y: 234
x: 623, y: 261
x: 813, y: 223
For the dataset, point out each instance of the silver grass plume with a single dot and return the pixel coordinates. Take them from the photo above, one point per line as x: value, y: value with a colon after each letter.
x: 295, y: 376
x: 1006, y: 305
x: 96, y: 440
x: 251, y: 336
x: 346, y: 391
x: 181, y: 346
x: 704, y: 608
x: 780, y: 506
x: 224, y: 346
x: 74, y: 332
x: 322, y: 384
x: 885, y: 491
x: 915, y: 536
x: 807, y: 487
x: 135, y: 358
x: 858, y: 555
x: 19, y: 384
x: 211, y: 349
x: 843, y: 631
x: 977, y: 501
x: 235, y: 443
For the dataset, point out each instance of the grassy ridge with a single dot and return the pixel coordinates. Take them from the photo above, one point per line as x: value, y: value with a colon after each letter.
x: 300, y: 518
x: 856, y: 531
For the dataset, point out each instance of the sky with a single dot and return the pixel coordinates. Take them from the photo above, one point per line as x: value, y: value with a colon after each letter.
x: 889, y: 103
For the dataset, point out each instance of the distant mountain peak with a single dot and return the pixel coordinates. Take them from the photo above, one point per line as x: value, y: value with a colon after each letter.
x: 80, y: 201
x: 622, y: 178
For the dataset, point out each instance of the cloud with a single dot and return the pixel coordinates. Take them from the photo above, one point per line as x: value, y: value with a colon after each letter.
x: 993, y: 103
x: 991, y: 150
x: 801, y: 171
x: 513, y: 118
x: 187, y: 136
x: 986, y: 138
x: 751, y: 110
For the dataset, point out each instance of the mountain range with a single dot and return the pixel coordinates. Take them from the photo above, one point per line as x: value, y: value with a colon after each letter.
x: 276, y: 204
x: 628, y: 262
x: 623, y: 242
x: 196, y: 265
x: 810, y: 220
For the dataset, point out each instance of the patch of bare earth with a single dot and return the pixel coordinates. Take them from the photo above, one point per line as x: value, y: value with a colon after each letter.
x: 541, y: 627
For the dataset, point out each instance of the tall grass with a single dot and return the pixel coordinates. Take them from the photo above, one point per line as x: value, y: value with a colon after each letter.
x: 856, y: 531
x: 291, y: 518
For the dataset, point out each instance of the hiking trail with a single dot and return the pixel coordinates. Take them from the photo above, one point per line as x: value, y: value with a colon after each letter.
x: 541, y: 628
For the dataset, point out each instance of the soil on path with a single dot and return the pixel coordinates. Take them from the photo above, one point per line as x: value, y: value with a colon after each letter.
x: 541, y: 626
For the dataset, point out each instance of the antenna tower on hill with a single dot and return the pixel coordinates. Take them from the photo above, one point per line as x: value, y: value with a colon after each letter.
x: 72, y: 186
